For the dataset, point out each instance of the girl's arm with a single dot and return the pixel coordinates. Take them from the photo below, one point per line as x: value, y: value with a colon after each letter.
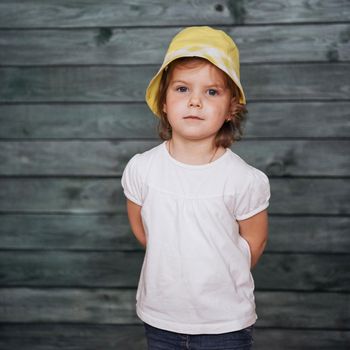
x: 255, y: 231
x: 134, y: 214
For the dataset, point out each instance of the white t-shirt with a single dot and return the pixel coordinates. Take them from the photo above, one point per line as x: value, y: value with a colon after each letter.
x: 195, y: 276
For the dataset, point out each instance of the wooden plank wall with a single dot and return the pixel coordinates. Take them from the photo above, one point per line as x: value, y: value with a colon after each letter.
x: 72, y: 113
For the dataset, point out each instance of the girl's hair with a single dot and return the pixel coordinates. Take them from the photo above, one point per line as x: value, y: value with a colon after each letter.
x: 229, y: 132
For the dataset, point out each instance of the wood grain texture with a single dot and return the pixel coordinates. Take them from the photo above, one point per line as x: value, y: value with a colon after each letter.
x: 51, y: 14
x: 121, y: 84
x: 132, y: 337
x: 72, y: 337
x: 303, y: 272
x: 101, y: 305
x: 107, y: 269
x: 308, y: 310
x: 117, y: 306
x: 70, y: 269
x: 90, y: 196
x: 290, y: 339
x: 270, y: 120
x: 108, y: 158
x: 138, y: 46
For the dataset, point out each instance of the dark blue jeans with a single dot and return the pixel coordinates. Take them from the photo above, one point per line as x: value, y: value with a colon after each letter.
x: 160, y: 339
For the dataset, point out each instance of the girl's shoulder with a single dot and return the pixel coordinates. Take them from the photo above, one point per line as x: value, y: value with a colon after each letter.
x: 141, y: 161
x: 250, y: 187
x: 239, y: 164
x: 146, y: 154
x: 242, y: 172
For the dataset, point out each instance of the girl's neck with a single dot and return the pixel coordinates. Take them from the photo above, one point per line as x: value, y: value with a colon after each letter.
x: 194, y: 152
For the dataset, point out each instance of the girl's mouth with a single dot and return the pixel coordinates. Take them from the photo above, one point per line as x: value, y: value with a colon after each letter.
x: 193, y: 117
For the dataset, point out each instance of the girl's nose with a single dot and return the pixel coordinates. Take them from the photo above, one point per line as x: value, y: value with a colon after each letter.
x: 194, y: 101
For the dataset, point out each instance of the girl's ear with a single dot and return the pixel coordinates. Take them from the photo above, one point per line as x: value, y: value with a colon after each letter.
x: 164, y: 108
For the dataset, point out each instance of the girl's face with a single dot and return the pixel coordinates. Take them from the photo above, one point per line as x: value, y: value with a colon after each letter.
x: 198, y: 101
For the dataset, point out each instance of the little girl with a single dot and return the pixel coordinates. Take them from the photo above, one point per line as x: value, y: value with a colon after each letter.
x: 198, y: 208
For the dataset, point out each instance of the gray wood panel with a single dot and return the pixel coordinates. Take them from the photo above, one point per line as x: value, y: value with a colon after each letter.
x: 290, y: 339
x: 72, y: 337
x: 299, y: 43
x: 297, y: 272
x: 108, y: 158
x: 135, y: 121
x: 317, y: 234
x: 127, y: 84
x: 65, y: 13
x: 117, y: 306
x: 79, y: 232
x: 131, y: 337
x: 303, y: 272
x: 83, y: 195
x: 303, y: 310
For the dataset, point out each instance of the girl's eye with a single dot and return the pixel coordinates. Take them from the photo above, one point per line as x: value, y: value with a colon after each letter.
x: 212, y: 92
x: 182, y: 89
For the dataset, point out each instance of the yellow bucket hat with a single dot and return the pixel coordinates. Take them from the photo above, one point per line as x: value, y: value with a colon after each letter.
x: 202, y: 41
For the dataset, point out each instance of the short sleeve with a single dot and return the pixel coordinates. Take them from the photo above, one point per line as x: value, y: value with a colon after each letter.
x: 254, y: 195
x: 131, y: 180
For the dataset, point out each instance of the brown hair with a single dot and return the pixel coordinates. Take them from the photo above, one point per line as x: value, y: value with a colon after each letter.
x: 229, y: 132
